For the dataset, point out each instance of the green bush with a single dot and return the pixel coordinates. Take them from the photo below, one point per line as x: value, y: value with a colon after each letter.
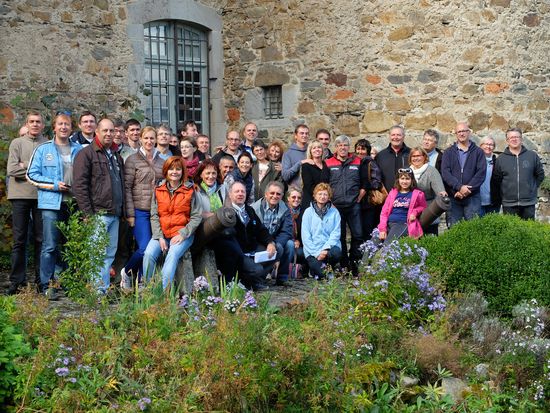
x: 505, y: 258
x: 12, y: 347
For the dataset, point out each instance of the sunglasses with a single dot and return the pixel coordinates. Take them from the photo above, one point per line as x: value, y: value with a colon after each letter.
x: 405, y: 171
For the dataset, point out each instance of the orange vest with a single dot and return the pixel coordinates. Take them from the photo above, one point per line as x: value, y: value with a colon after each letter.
x: 174, y: 212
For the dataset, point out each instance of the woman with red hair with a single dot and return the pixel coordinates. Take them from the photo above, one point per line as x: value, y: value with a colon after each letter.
x: 175, y: 215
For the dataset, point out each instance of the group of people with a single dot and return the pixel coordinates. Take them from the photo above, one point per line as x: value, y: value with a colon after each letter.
x: 153, y: 189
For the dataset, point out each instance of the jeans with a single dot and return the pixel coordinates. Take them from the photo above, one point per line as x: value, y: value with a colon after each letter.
x: 488, y: 209
x: 464, y: 208
x: 142, y: 234
x: 51, y: 237
x: 22, y: 211
x: 524, y: 212
x: 285, y: 255
x: 103, y: 279
x: 175, y: 252
x: 316, y: 266
x: 396, y: 230
x: 351, y: 216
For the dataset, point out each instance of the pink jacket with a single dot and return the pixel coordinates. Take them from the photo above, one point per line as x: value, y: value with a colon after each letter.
x: 418, y: 204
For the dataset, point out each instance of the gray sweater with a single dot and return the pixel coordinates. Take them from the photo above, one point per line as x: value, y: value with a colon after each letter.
x: 430, y: 183
x: 20, y: 152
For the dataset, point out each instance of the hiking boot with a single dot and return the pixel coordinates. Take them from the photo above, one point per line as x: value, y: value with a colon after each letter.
x: 51, y: 294
x: 125, y: 281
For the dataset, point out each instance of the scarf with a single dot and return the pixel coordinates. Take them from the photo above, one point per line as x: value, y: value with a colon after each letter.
x: 192, y: 165
x: 213, y: 196
x: 321, y: 211
x: 418, y: 172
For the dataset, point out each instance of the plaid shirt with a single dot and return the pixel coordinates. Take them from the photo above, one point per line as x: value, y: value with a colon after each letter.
x: 270, y: 218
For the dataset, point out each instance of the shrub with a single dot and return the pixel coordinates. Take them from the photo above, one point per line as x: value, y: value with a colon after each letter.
x: 12, y: 346
x: 505, y: 258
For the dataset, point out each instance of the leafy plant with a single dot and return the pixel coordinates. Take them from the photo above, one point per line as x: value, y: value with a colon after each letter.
x: 12, y: 346
x: 84, y: 252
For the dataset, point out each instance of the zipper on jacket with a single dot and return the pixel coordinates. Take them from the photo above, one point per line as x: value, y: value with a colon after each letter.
x: 517, y: 167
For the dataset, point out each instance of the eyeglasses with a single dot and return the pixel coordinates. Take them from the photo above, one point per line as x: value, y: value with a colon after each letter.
x: 276, y: 193
x: 463, y: 131
x: 295, y: 197
x: 405, y: 171
x: 488, y: 144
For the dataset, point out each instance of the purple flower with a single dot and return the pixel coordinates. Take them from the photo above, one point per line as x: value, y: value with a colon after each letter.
x: 143, y: 403
x: 72, y: 379
x: 250, y: 301
x: 62, y: 371
x: 184, y: 302
x: 201, y: 284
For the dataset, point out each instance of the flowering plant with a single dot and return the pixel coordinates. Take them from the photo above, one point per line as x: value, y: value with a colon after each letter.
x: 397, y: 284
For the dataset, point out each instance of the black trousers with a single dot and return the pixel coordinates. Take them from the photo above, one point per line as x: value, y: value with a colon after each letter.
x: 352, y: 217
x: 25, y: 216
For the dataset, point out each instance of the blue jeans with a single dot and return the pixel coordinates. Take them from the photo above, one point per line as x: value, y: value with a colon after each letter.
x: 488, y: 209
x: 315, y: 266
x: 285, y: 255
x: 175, y: 252
x: 464, y: 208
x: 142, y: 234
x: 51, y: 237
x: 103, y: 279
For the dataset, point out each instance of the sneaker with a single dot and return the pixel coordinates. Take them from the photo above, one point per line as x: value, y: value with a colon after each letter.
x: 51, y: 294
x: 260, y: 287
x: 125, y: 281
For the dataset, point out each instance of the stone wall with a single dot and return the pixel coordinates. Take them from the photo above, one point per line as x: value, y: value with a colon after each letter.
x: 360, y: 67
x: 354, y: 67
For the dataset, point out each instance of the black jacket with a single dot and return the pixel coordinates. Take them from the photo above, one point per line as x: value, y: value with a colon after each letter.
x: 252, y: 235
x: 518, y: 177
x: 390, y: 162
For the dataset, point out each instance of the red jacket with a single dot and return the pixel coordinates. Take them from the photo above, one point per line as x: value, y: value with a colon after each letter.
x: 174, y: 211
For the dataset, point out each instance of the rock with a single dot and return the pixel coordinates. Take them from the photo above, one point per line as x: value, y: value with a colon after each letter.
x: 270, y: 75
x: 482, y: 370
x: 399, y: 79
x: 453, y: 387
x: 247, y: 55
x: 473, y: 55
x: 427, y: 76
x: 343, y: 94
x: 308, y: 85
x: 407, y: 381
x: 205, y: 264
x: 348, y: 125
x: 233, y: 114
x: 420, y: 122
x: 373, y: 79
x: 479, y: 121
x: 306, y: 107
x: 401, y: 34
x: 377, y: 121
x: 496, y: 87
x: 184, y: 277
x: 99, y: 53
x: 337, y: 79
x: 101, y: 4
x: 500, y: 3
x: 270, y: 54
x: 6, y: 114
x: 258, y: 42
x: 398, y: 104
x: 531, y: 20
x: 498, y: 122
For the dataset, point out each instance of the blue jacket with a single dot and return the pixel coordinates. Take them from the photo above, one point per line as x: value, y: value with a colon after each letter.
x: 46, y: 171
x: 473, y: 173
x: 283, y: 232
x: 291, y: 165
x: 320, y: 234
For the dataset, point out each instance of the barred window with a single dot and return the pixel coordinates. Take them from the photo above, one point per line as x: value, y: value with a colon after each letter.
x: 273, y: 102
x: 176, y: 74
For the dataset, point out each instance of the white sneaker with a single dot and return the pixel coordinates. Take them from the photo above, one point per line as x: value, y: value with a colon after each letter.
x: 125, y: 281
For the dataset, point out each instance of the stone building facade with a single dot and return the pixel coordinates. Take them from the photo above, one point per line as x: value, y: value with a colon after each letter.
x: 353, y: 67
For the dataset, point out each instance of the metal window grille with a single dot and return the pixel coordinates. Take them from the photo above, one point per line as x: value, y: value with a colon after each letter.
x: 273, y: 102
x: 176, y: 74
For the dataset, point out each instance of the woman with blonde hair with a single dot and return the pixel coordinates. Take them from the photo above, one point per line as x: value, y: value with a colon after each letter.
x: 311, y: 171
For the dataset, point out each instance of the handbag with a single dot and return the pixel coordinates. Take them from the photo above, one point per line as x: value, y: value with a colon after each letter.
x: 377, y: 196
x: 295, y: 270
